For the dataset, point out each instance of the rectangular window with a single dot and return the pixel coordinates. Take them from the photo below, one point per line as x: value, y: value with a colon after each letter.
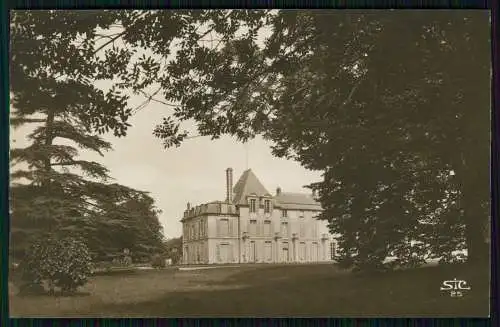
x: 267, y: 206
x: 253, y: 227
x: 284, y: 213
x: 225, y: 253
x: 315, y: 252
x: 302, y: 231
x: 284, y: 252
x: 284, y: 229
x: 230, y: 253
x: 223, y: 227
x: 252, y: 252
x: 268, y: 251
x: 267, y: 228
x: 332, y: 251
x: 217, y: 253
x: 314, y: 229
x: 253, y: 205
x: 230, y: 231
x: 302, y: 251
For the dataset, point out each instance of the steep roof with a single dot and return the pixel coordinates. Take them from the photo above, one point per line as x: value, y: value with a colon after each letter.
x: 299, y: 201
x: 248, y: 184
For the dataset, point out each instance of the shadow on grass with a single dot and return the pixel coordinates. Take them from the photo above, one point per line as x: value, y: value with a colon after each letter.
x: 303, y: 291
x: 121, y: 272
x: 28, y: 292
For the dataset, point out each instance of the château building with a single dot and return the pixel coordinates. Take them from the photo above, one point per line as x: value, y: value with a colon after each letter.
x: 254, y: 226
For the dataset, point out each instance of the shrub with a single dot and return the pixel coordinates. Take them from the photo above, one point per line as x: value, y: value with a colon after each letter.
x: 158, y: 261
x: 63, y: 263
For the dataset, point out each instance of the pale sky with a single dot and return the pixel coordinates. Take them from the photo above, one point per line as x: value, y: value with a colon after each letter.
x: 194, y: 172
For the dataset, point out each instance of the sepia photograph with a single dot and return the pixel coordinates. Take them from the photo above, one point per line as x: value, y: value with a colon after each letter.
x: 250, y: 163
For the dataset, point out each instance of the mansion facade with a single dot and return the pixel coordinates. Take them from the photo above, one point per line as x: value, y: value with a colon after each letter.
x: 253, y: 226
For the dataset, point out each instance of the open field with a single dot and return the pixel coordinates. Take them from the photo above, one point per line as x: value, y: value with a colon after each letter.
x: 263, y: 290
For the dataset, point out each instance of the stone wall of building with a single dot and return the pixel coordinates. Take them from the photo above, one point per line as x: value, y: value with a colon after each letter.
x: 255, y: 227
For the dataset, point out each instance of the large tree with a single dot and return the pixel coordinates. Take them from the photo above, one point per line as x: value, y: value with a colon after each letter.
x: 381, y: 103
x: 55, y: 65
x: 127, y: 219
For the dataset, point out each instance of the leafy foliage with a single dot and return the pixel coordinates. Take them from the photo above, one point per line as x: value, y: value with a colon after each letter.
x: 57, y: 65
x: 64, y: 263
x: 173, y: 249
x: 384, y: 123
x: 126, y: 221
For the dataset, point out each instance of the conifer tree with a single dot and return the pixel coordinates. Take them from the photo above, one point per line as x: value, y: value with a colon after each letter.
x: 55, y: 65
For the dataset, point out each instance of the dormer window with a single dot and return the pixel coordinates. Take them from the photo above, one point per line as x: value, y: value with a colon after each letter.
x: 253, y: 205
x: 267, y: 206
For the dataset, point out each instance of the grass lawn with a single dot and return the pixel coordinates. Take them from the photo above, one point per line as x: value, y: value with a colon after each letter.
x: 263, y: 290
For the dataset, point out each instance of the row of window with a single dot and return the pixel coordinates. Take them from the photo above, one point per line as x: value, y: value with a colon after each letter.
x: 267, y: 208
x: 225, y: 253
x: 195, y: 253
x: 284, y: 229
x: 195, y: 230
x: 285, y: 252
x: 253, y: 205
x: 225, y: 227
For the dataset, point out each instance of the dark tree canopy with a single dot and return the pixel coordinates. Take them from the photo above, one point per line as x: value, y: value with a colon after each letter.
x: 393, y: 107
x: 55, y: 65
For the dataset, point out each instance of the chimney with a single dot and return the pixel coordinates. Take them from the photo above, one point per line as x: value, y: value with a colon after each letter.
x: 229, y: 185
x: 278, y: 190
x: 188, y: 206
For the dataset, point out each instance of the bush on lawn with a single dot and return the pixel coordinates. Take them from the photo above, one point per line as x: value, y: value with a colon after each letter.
x: 58, y: 262
x: 158, y: 261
